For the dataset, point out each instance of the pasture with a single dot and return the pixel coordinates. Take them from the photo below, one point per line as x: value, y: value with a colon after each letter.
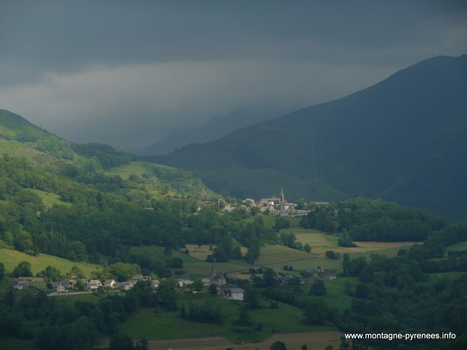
x: 11, y: 258
x: 457, y: 246
x: 126, y: 170
x: 168, y: 325
x: 49, y: 199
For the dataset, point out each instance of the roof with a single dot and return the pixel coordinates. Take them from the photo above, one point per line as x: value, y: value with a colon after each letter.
x: 236, y: 290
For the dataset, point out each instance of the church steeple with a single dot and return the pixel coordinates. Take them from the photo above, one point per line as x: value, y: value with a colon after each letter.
x: 213, y: 272
x: 281, y: 197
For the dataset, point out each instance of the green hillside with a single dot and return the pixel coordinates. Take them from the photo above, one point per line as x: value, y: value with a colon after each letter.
x: 402, y: 140
x: 85, y: 202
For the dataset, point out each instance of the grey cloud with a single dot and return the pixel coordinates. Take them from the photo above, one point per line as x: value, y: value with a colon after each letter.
x: 107, y: 70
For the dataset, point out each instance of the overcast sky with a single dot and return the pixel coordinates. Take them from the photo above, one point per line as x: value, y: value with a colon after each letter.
x: 127, y: 72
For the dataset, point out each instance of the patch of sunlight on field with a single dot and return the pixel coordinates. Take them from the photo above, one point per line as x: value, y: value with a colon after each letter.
x: 49, y: 199
x: 126, y: 170
x: 11, y: 258
x: 457, y: 246
x: 271, y: 254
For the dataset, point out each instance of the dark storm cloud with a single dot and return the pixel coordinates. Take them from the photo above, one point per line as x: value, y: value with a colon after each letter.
x: 82, y: 67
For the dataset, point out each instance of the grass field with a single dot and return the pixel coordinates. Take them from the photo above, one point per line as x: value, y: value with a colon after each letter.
x: 457, y: 246
x: 276, y: 256
x: 11, y: 258
x: 7, y: 343
x: 49, y: 199
x: 126, y: 170
x: 167, y: 325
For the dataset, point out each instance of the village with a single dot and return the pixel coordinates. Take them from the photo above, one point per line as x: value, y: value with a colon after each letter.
x: 214, y: 282
x: 273, y: 206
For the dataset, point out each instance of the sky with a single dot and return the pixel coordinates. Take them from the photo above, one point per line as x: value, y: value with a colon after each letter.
x: 126, y: 73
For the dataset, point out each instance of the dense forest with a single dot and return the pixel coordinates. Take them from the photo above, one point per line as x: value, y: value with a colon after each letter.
x: 373, y: 220
x: 102, y: 214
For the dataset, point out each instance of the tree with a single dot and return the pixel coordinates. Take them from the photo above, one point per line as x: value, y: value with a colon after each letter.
x: 278, y: 345
x: 51, y: 273
x: 244, y: 319
x: 307, y: 248
x: 281, y: 223
x: 318, y: 312
x: 197, y: 285
x: 251, y: 297
x: 121, y: 342
x: 304, y: 347
x: 318, y: 288
x: 23, y: 269
x: 213, y: 289
x: 78, y: 251
x: 301, y: 204
x: 142, y: 344
x: 347, y: 264
x: 331, y: 254
x: 2, y: 270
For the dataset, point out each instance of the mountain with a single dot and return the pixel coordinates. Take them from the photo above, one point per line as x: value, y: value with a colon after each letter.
x: 403, y: 139
x: 213, y: 129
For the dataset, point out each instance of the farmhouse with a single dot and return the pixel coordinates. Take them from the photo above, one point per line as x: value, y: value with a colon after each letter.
x: 126, y: 285
x: 93, y: 284
x: 234, y: 293
x: 19, y: 285
x: 68, y: 283
x: 330, y: 276
x: 110, y: 283
x: 155, y: 284
x: 58, y: 287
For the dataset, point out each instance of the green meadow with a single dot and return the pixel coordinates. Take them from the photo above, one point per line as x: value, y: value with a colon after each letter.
x: 11, y: 258
x: 168, y: 325
x: 457, y: 246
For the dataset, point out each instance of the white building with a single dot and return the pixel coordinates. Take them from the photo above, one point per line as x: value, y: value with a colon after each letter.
x: 234, y: 293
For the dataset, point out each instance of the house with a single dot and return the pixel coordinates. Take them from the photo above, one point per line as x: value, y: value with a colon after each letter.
x: 94, y: 284
x: 126, y: 285
x: 155, y: 284
x: 315, y: 272
x: 330, y: 277
x: 68, y: 283
x: 27, y: 279
x: 58, y: 287
x: 20, y: 285
x: 234, y: 293
x: 110, y: 283
x: 140, y: 278
x: 184, y: 282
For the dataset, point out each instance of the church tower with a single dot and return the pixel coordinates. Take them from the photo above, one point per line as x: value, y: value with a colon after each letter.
x: 281, y: 197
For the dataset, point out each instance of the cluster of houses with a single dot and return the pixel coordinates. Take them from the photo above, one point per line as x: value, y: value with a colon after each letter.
x: 90, y: 284
x: 275, y: 206
x: 315, y: 273
x: 93, y: 284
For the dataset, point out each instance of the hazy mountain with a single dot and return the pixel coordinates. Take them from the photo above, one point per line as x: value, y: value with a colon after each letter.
x: 403, y: 139
x: 213, y: 129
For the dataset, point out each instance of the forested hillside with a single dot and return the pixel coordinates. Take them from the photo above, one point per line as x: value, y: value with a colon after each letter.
x: 87, y: 202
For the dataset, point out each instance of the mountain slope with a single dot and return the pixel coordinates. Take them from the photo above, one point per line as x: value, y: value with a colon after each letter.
x: 402, y: 139
x: 215, y: 128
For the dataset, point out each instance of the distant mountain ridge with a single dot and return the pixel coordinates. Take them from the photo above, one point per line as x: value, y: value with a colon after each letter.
x: 213, y: 129
x: 403, y: 139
